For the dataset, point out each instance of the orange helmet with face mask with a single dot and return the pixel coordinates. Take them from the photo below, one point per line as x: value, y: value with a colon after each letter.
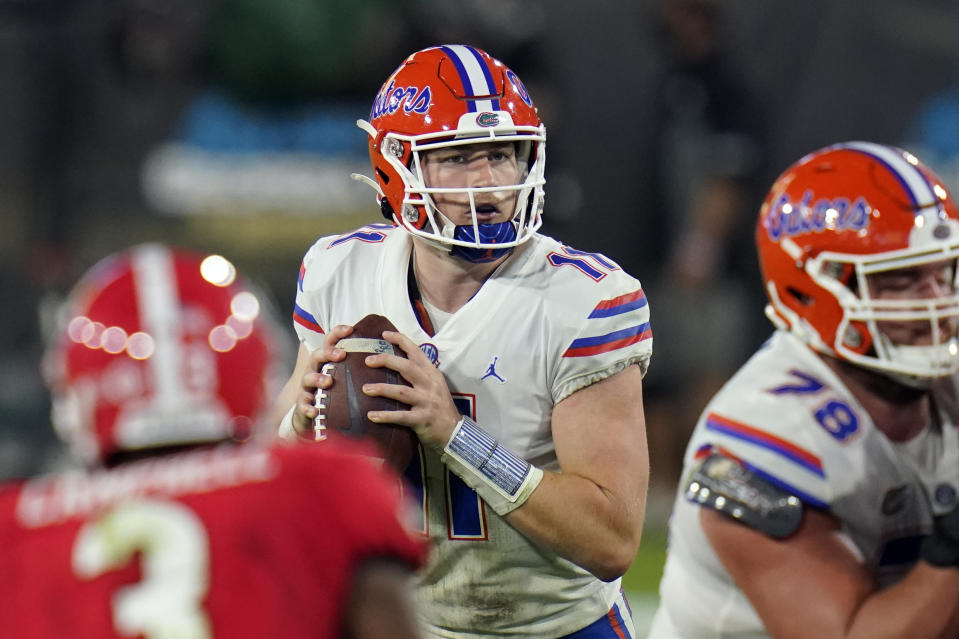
x: 839, y: 215
x: 454, y: 95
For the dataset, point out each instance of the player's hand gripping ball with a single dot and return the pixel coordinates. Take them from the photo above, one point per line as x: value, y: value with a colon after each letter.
x: 342, y: 407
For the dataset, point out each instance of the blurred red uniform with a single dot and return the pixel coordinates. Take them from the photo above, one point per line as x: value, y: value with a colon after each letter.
x: 172, y: 529
x: 232, y: 541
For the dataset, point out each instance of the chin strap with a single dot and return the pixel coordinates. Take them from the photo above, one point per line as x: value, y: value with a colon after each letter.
x: 499, y: 233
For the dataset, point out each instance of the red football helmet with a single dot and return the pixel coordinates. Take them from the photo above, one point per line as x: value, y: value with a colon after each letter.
x: 159, y: 347
x: 840, y: 215
x: 445, y: 96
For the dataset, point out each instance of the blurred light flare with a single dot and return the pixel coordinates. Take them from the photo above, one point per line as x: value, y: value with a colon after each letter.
x: 140, y: 345
x: 222, y: 338
x: 245, y: 306
x: 75, y: 328
x: 92, y: 333
x: 832, y: 215
x: 217, y: 270
x: 113, y: 340
x: 240, y: 327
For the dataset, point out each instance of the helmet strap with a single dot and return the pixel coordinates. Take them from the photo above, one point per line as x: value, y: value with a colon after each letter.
x: 386, y: 209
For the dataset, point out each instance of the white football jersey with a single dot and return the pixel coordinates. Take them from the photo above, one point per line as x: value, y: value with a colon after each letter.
x: 788, y: 417
x: 549, y: 321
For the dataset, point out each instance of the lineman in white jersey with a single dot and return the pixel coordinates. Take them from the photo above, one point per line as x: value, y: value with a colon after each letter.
x: 820, y: 485
x: 525, y: 358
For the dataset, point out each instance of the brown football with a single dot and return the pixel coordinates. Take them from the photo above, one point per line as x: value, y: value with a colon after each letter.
x: 343, y: 406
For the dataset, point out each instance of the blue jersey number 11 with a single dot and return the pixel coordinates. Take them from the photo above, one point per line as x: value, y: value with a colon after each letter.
x: 465, y: 511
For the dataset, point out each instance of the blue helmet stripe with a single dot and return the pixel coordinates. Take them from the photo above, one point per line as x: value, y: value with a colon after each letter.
x: 475, y: 76
x: 912, y: 180
x: 490, y: 85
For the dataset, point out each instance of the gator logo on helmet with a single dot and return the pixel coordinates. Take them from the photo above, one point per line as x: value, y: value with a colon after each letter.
x: 789, y: 219
x: 487, y: 119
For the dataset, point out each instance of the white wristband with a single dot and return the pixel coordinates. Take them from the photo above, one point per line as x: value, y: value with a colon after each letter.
x: 502, y: 478
x: 286, y: 425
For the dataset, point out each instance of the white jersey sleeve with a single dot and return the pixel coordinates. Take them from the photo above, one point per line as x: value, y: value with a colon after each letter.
x: 591, y: 316
x: 601, y: 319
x: 329, y: 272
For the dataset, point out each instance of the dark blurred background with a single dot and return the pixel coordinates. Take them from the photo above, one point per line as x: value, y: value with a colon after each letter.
x: 227, y: 125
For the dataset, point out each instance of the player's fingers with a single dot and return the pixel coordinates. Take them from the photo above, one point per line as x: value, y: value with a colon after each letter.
x: 304, y: 413
x: 398, y: 417
x: 406, y: 368
x: 338, y: 332
x: 426, y: 407
x: 416, y: 368
x: 312, y: 381
x: 328, y: 352
x: 407, y: 345
x: 399, y: 392
x: 428, y: 426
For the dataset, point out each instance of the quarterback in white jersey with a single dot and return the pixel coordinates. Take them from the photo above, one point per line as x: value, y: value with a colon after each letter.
x: 820, y: 484
x: 525, y: 359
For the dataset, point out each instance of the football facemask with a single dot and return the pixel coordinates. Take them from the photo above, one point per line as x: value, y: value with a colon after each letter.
x: 445, y: 97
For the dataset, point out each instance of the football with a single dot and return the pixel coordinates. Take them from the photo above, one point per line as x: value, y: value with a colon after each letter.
x: 342, y: 407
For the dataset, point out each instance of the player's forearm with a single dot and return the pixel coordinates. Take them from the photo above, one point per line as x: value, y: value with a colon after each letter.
x: 594, y: 528
x: 591, y: 512
x: 925, y: 604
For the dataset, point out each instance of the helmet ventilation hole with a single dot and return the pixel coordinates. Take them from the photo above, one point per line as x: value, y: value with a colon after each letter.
x: 799, y: 296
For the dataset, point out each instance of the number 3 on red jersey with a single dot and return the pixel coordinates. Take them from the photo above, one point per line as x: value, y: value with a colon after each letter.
x: 175, y: 564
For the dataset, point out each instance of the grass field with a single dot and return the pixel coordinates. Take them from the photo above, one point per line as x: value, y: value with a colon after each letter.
x: 643, y: 576
x: 641, y: 582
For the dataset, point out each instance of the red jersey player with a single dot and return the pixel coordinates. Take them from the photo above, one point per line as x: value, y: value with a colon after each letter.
x: 174, y: 531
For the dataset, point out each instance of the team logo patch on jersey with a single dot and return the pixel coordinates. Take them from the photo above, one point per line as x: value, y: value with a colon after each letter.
x: 432, y: 352
x: 895, y: 500
x: 945, y: 494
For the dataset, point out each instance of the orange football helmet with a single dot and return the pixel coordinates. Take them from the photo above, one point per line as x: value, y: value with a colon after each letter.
x: 839, y: 215
x: 449, y: 96
x: 160, y: 347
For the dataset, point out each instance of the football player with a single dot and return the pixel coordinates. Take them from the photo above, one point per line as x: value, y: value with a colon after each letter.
x: 526, y: 358
x: 162, y: 365
x: 820, y: 488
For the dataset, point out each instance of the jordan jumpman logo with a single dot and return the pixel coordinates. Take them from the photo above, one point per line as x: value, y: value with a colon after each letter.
x: 491, y: 372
